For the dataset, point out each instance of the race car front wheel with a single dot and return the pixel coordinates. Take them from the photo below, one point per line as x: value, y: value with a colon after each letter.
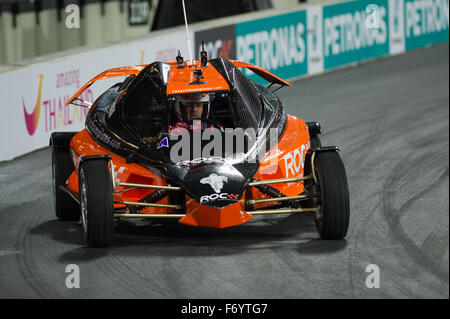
x: 96, y: 203
x: 333, y: 214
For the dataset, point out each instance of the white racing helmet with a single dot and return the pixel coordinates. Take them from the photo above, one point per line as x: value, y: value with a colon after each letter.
x: 185, y: 99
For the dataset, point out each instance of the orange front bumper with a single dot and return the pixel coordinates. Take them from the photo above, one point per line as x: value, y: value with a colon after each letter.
x: 207, y: 216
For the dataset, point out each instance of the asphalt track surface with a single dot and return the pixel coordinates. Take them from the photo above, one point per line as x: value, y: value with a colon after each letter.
x: 391, y: 120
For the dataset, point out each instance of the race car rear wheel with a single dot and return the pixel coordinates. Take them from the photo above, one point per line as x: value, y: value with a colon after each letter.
x: 96, y: 203
x: 65, y: 207
x: 332, y: 219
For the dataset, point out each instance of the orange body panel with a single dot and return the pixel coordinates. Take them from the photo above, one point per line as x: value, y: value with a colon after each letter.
x: 207, y: 216
x: 266, y: 75
x: 285, y: 160
x: 83, y: 145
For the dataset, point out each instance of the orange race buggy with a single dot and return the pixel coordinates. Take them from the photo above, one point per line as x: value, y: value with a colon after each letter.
x: 125, y: 165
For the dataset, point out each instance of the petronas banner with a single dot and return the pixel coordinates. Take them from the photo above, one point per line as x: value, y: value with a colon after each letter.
x: 318, y: 38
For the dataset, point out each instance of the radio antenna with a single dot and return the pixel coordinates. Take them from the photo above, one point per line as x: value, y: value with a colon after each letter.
x: 187, y: 34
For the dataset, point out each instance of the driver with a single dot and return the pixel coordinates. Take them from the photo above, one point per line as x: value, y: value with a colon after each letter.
x: 192, y: 112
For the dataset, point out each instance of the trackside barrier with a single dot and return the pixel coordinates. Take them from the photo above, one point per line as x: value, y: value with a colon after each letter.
x: 33, y: 96
x: 310, y: 40
x: 323, y: 37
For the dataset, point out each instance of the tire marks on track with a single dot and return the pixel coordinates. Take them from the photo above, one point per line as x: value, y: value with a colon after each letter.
x: 406, y: 173
x: 29, y: 266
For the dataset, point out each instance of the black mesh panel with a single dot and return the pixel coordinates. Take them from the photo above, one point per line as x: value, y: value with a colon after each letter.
x: 247, y: 106
x: 142, y: 107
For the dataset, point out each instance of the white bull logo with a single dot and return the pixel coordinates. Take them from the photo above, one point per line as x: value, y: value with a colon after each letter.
x: 215, y: 181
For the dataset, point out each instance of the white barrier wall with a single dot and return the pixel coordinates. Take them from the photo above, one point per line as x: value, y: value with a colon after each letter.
x: 33, y: 97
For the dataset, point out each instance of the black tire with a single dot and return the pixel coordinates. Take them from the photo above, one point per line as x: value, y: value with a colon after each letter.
x: 333, y: 219
x: 66, y: 208
x: 96, y: 203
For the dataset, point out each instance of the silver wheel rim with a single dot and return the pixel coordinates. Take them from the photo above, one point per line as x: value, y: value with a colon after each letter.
x: 317, y: 202
x: 318, y: 215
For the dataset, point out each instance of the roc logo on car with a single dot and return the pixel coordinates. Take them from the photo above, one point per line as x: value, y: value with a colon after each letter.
x: 214, y: 197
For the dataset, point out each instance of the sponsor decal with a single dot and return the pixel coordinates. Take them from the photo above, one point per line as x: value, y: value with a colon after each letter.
x: 57, y: 114
x: 294, y: 161
x: 149, y: 139
x: 200, y: 89
x: 164, y: 143
x: 118, y: 172
x: 68, y: 78
x: 32, y: 119
x: 100, y: 135
x: 218, y: 42
x: 214, y: 197
x: 277, y: 44
x: 426, y: 22
x: 349, y: 34
x: 215, y: 181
